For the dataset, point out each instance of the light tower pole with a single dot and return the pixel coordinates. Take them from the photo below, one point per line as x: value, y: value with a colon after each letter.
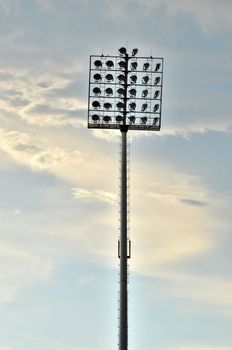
x: 125, y: 93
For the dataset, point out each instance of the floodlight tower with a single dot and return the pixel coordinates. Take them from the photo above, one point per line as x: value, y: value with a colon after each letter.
x: 125, y: 93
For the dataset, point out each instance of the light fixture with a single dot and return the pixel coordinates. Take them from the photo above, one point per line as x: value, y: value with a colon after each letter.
x: 120, y: 105
x: 109, y: 77
x: 132, y: 105
x: 157, y: 80
x: 121, y: 91
x: 109, y: 91
x: 107, y: 105
x: 122, y: 51
x: 134, y: 65
x: 134, y: 52
x: 132, y: 92
x: 122, y: 64
x: 110, y: 64
x: 146, y: 66
x: 126, y: 88
x: 145, y: 79
x: 97, y: 76
x: 119, y: 118
x: 156, y: 107
x: 132, y: 119
x: 144, y: 93
x: 95, y: 117
x: 96, y: 104
x: 98, y: 64
x: 133, y: 78
x: 158, y: 65
x: 156, y: 120
x: 107, y: 118
x: 121, y: 77
x: 156, y: 94
x: 97, y: 91
x: 143, y: 120
x: 144, y: 107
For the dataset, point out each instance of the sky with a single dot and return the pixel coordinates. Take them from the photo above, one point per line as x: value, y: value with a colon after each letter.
x: 59, y: 180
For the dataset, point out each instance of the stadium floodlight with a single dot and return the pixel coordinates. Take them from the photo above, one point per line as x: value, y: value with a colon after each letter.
x: 98, y: 63
x: 121, y: 78
x: 134, y: 52
x: 122, y: 64
x: 157, y: 67
x: 156, y: 107
x: 144, y: 93
x: 97, y: 77
x: 109, y: 77
x: 145, y: 79
x: 122, y: 51
x: 146, y: 66
x: 96, y: 104
x: 121, y: 91
x: 134, y: 65
x: 125, y: 93
x: 156, y: 94
x: 157, y: 80
x: 109, y: 91
x: 132, y: 106
x: 144, y: 107
x: 96, y: 91
x: 95, y: 117
x: 133, y: 79
x: 110, y: 64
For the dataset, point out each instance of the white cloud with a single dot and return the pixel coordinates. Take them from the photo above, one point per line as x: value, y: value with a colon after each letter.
x: 102, y: 196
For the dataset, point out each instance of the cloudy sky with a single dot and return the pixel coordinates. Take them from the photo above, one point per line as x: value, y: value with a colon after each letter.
x: 59, y: 180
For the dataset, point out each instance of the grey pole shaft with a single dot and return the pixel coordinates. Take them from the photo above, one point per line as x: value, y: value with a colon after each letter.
x: 123, y: 328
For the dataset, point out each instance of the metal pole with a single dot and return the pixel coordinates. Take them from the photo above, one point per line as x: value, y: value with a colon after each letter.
x: 123, y: 328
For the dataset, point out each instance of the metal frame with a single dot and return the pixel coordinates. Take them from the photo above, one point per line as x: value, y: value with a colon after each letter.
x: 148, y: 119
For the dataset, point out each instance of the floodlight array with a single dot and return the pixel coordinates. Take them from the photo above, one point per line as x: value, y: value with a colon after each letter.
x: 125, y: 91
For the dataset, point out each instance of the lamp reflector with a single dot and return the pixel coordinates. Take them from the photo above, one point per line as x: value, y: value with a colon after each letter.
x: 120, y: 105
x: 98, y: 63
x: 96, y: 104
x: 119, y: 118
x: 121, y: 91
x: 157, y: 80
x: 96, y: 91
x: 107, y: 105
x: 134, y: 65
x: 158, y: 65
x: 133, y: 78
x: 122, y: 64
x: 144, y: 107
x: 107, y: 118
x: 109, y: 91
x: 122, y: 50
x: 132, y: 92
x: 145, y: 79
x: 109, y: 77
x: 132, y: 105
x: 143, y: 120
x: 97, y: 76
x: 156, y: 94
x: 156, y: 120
x: 95, y: 117
x: 134, y: 52
x: 156, y: 107
x: 132, y: 119
x: 146, y: 66
x: 121, y: 77
x: 144, y: 93
x: 110, y: 64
